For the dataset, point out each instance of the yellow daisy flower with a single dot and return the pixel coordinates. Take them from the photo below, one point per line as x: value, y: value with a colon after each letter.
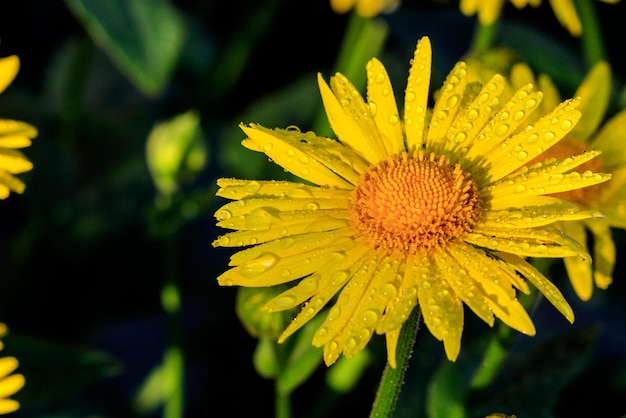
x: 435, y: 208
x: 10, y: 384
x: 364, y: 8
x: 608, y: 198
x: 13, y: 135
x: 489, y: 10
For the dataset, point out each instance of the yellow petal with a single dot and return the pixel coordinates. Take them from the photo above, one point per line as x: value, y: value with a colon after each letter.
x: 441, y: 309
x: 11, y: 384
x: 343, y: 312
x: 579, y: 270
x: 595, y: 92
x: 391, y: 338
x: 534, y: 216
x: 10, y: 128
x: 604, y: 252
x: 503, y: 124
x: 8, y: 405
x: 565, y: 12
x: 491, y: 278
x: 610, y: 140
x: 9, y: 68
x: 350, y: 118
x: 525, y: 146
x: 544, y: 242
x: 464, y: 286
x: 471, y: 121
x: 285, y: 150
x: 334, y: 277
x: 416, y: 95
x: 446, y: 106
x: 545, y: 286
x: 383, y: 107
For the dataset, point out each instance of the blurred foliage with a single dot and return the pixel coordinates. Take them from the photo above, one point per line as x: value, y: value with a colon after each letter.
x: 82, y: 254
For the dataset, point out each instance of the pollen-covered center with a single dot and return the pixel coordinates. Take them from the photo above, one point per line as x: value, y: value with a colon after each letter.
x: 414, y: 202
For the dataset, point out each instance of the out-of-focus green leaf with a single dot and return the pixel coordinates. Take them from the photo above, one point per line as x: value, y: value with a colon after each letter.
x: 303, y: 358
x: 143, y: 38
x: 45, y: 365
x: 345, y: 374
x: 265, y: 358
x: 529, y: 386
x: 446, y: 392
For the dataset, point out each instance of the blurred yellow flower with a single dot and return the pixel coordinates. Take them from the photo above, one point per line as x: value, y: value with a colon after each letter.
x: 489, y: 10
x: 13, y: 135
x: 9, y: 383
x: 609, y: 198
x: 436, y: 208
x: 364, y: 8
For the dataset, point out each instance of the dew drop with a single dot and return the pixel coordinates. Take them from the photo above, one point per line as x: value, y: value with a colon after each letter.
x: 373, y: 108
x: 472, y: 114
x: 566, y: 124
x: 268, y: 147
x: 224, y: 241
x: 502, y: 130
x: 253, y: 187
x: 519, y: 115
x: 410, y: 96
x: 259, y: 265
x: 530, y: 103
x: 380, y: 78
x: 452, y: 100
x: 259, y: 220
x: 308, y: 285
x: 284, y: 302
x: 285, y: 273
x: 291, y: 153
x: 370, y: 317
x: 224, y: 214
x: 387, y: 290
x: 549, y: 136
x: 394, y: 119
x: 522, y: 155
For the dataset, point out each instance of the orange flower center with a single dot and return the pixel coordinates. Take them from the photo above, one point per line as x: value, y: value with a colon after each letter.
x: 565, y: 148
x: 414, y: 202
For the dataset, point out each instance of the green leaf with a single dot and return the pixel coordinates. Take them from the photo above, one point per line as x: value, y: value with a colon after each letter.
x: 303, y: 358
x: 446, y: 392
x: 345, y: 374
x: 143, y: 38
x: 45, y: 364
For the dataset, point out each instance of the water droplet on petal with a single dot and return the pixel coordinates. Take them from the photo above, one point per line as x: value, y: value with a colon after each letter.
x: 268, y: 147
x: 369, y: 317
x: 259, y: 220
x: 224, y: 214
x: 259, y: 265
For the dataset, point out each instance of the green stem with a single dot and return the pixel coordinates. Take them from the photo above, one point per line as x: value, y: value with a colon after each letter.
x: 363, y: 40
x: 174, y: 360
x: 484, y: 36
x: 282, y: 402
x: 392, y: 379
x: 591, y: 38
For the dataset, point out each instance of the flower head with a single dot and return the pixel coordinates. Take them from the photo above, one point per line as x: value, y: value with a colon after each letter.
x: 489, y: 10
x: 13, y: 135
x: 436, y: 208
x: 10, y: 384
x: 364, y: 8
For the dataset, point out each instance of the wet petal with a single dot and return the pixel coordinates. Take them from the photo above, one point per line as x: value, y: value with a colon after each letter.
x: 416, y: 95
x: 383, y: 107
